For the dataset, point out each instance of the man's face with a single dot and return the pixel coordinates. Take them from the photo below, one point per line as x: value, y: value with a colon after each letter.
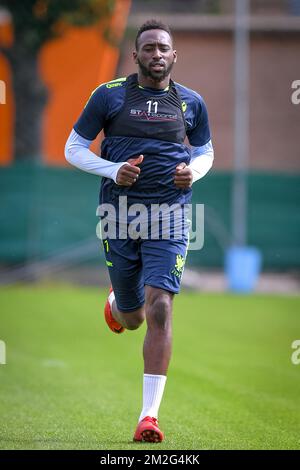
x: 155, y: 55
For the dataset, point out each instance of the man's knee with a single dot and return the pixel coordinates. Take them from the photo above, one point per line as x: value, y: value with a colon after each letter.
x: 133, y: 320
x: 159, y: 309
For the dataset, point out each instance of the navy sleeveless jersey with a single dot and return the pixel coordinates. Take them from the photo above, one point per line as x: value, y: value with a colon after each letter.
x: 150, y: 122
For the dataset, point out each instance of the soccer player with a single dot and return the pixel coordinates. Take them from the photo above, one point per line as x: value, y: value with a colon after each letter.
x: 146, y: 118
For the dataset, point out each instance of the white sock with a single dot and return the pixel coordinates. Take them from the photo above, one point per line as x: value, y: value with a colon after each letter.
x: 111, y: 298
x: 153, y: 390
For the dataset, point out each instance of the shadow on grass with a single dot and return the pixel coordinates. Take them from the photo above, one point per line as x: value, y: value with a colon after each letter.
x: 75, y: 443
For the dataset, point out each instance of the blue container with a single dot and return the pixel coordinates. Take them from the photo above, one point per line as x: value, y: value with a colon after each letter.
x: 242, y: 268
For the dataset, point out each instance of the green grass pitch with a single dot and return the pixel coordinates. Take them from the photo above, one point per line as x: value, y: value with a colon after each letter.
x: 69, y: 383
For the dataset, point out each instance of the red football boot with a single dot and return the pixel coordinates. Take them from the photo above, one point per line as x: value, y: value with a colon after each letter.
x: 111, y: 322
x: 148, y: 431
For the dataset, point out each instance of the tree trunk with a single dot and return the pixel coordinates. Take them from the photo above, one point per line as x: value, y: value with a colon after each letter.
x: 30, y: 95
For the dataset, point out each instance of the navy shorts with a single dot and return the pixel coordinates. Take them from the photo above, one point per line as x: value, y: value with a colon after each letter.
x: 132, y: 264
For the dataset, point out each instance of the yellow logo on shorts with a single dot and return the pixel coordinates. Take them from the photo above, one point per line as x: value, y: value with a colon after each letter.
x: 179, y: 265
x: 183, y: 106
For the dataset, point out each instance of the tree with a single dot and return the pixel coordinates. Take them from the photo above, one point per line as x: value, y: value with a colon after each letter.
x: 35, y: 22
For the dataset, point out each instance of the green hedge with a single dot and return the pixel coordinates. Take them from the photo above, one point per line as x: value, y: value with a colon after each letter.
x: 48, y: 209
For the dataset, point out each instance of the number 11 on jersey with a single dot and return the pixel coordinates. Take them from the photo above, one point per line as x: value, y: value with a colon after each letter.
x: 150, y: 103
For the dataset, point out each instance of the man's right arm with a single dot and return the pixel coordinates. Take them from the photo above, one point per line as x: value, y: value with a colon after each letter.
x: 78, y: 154
x: 86, y: 129
x: 90, y: 123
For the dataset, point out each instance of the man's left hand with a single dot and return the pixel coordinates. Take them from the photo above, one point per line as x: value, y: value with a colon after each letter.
x: 183, y: 176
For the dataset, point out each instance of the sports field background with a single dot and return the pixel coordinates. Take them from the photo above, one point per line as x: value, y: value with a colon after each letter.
x: 69, y: 383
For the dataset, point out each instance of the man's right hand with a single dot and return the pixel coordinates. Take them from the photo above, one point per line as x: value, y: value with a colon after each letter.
x: 129, y: 173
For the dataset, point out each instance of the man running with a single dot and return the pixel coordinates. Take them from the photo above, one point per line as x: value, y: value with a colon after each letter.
x: 144, y: 160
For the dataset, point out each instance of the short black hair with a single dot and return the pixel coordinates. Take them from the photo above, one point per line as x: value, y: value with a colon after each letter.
x: 152, y: 24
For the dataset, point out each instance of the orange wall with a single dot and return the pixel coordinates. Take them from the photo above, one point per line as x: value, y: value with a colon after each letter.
x: 71, y: 66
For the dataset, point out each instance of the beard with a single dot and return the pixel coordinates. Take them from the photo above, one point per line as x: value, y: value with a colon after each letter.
x: 155, y: 75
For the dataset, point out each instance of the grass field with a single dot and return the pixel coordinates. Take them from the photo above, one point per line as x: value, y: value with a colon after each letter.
x: 69, y: 383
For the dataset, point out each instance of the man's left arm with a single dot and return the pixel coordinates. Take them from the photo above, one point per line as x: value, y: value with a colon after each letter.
x: 201, y: 161
x: 201, y: 146
x: 200, y: 164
